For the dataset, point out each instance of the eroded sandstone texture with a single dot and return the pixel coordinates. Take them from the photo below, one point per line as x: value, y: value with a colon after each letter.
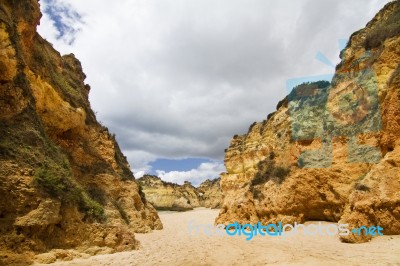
x: 64, y: 182
x: 331, y: 151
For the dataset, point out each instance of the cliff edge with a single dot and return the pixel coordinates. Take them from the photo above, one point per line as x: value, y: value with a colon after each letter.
x: 331, y: 151
x: 64, y: 182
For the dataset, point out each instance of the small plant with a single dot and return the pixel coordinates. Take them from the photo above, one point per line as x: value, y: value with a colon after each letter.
x: 386, y: 29
x: 301, y: 162
x: 361, y: 187
x: 252, y: 125
x: 361, y: 177
x: 92, y: 209
x: 280, y: 174
x: 270, y: 115
x: 121, y: 211
x: 272, y: 155
x: 57, y: 182
x: 141, y: 194
x: 284, y: 102
x: 257, y: 194
x: 97, y: 194
x: 267, y: 170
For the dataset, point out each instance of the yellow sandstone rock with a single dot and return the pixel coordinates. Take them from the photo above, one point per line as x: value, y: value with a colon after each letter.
x: 323, y: 160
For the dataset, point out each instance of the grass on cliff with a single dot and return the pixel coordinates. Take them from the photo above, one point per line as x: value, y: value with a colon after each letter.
x: 46, y: 58
x: 97, y: 194
x: 267, y: 170
x: 361, y: 187
x: 21, y: 142
x: 386, y: 29
x: 121, y: 211
x: 56, y: 180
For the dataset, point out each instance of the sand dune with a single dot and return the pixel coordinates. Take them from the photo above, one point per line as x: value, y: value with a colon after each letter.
x: 174, y: 245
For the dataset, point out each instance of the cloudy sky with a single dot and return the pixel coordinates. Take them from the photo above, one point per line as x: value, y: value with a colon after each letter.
x: 176, y: 79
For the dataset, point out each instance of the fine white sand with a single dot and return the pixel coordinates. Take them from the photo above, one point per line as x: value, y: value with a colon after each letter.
x: 174, y: 245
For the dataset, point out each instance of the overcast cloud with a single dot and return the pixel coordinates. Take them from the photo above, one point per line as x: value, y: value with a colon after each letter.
x: 178, y: 78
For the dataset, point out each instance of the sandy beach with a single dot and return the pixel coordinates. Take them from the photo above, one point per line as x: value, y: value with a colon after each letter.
x: 176, y: 245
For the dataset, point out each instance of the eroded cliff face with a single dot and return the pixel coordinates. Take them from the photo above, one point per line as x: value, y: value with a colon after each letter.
x: 170, y: 196
x: 64, y: 182
x: 331, y: 150
x: 211, y: 194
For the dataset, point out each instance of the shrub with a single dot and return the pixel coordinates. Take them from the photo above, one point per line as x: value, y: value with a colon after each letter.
x: 92, y: 209
x: 283, y: 102
x: 258, y: 179
x: 270, y: 115
x: 57, y: 182
x: 141, y: 194
x: 252, y: 125
x: 263, y: 125
x: 272, y: 155
x: 97, y: 194
x: 395, y: 77
x: 280, y: 173
x: 386, y: 29
x: 257, y: 194
x: 361, y: 187
x: 267, y: 170
x: 121, y: 211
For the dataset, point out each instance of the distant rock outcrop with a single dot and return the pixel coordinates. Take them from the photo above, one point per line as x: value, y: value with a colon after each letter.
x: 64, y: 182
x: 170, y: 196
x: 331, y: 151
x: 210, y: 193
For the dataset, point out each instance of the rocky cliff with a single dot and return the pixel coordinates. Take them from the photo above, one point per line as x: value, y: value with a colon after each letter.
x: 331, y: 151
x: 64, y: 182
x: 170, y: 196
x: 211, y: 194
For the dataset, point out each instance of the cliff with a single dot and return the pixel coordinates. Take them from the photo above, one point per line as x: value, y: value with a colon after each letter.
x: 331, y: 151
x: 170, y: 196
x: 211, y: 194
x: 64, y: 182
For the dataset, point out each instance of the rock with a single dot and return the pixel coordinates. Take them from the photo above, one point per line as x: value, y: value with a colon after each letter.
x: 210, y: 194
x: 331, y: 150
x: 46, y: 258
x: 98, y: 250
x: 170, y: 196
x: 8, y: 62
x: 64, y: 182
x: 47, y: 213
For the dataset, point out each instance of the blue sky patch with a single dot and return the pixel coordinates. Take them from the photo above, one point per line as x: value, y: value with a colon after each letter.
x: 168, y: 165
x: 65, y: 20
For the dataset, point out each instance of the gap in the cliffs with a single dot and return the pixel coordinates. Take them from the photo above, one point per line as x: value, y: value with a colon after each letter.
x: 194, y: 170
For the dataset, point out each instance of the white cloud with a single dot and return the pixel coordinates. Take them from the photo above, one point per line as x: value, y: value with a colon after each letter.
x: 140, y: 173
x: 139, y: 162
x: 64, y: 20
x: 195, y: 176
x: 178, y: 78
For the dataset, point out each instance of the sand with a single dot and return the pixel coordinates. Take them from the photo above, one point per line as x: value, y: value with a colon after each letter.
x: 174, y: 245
